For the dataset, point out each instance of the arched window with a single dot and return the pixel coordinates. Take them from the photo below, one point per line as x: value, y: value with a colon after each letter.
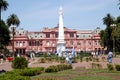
x: 47, y: 43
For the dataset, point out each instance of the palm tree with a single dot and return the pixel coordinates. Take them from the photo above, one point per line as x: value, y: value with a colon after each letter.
x: 119, y: 4
x: 108, y: 20
x: 3, y: 6
x: 13, y: 20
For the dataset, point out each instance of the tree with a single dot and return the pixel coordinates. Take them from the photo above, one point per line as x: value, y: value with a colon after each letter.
x: 117, y: 34
x: 106, y: 35
x: 4, y: 35
x: 13, y: 20
x: 119, y: 4
x: 102, y: 38
x: 111, y: 35
x: 3, y: 6
x: 108, y: 20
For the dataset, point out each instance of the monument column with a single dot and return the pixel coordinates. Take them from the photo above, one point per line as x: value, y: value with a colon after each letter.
x: 60, y: 42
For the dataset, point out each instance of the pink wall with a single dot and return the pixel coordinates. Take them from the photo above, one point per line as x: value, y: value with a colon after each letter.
x: 49, y: 44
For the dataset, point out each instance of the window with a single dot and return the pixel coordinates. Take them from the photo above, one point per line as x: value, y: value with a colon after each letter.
x: 89, y: 43
x: 83, y: 35
x: 84, y: 41
x: 30, y: 44
x: 33, y: 43
x: 37, y: 43
x: 40, y: 43
x: 56, y: 35
x: 53, y: 43
x: 71, y: 43
x: 23, y: 43
x: 47, y: 43
x: 78, y: 43
x: 71, y: 35
x: 47, y: 35
x: 16, y: 43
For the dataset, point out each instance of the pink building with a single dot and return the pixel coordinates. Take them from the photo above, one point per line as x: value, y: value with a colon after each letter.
x: 46, y: 40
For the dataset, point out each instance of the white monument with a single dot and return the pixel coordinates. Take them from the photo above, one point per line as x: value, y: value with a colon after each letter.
x: 61, y: 42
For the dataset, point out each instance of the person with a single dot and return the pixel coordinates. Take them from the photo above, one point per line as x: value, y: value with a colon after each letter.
x: 67, y: 58
x: 32, y: 55
x: 110, y: 56
x: 70, y: 58
x: 18, y: 55
x: 1, y: 58
x: 96, y: 54
x: 93, y: 54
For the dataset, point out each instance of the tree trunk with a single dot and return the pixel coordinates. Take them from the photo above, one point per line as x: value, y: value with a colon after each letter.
x: 0, y: 15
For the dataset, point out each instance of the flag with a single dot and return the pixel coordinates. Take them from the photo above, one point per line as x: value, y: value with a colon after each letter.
x: 73, y: 51
x: 60, y: 52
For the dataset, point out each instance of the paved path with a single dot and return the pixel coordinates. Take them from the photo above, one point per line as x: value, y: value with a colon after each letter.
x: 33, y: 63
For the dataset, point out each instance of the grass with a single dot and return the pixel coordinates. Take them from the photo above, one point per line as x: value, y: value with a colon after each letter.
x: 80, y: 74
x: 94, y: 77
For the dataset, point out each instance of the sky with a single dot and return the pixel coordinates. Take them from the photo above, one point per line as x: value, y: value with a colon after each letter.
x: 34, y: 15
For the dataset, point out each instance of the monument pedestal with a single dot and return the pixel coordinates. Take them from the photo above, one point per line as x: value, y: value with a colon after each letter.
x: 61, y: 46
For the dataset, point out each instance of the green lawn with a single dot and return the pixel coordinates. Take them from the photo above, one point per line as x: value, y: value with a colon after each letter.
x: 80, y: 74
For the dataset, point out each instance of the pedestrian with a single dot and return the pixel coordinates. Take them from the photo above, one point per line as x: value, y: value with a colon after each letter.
x: 18, y: 55
x: 1, y: 58
x: 110, y: 56
x: 70, y: 58
x: 32, y: 55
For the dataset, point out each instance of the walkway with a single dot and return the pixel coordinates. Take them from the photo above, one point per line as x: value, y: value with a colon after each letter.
x: 33, y: 63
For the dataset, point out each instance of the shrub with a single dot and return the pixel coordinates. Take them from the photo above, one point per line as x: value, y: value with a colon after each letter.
x: 48, y: 78
x: 81, y: 59
x: 117, y: 67
x: 19, y: 63
x: 51, y: 69
x: 87, y: 59
x: 42, y: 60
x: 74, y: 60
x: 90, y: 58
x: 93, y: 65
x: 58, y: 68
x: 31, y: 71
x: 99, y: 66
x: 110, y: 67
x: 13, y: 77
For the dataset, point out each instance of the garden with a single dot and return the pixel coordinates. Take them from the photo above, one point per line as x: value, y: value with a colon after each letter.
x: 63, y: 70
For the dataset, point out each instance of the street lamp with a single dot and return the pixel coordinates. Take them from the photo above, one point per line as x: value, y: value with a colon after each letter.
x: 113, y: 28
x: 13, y: 28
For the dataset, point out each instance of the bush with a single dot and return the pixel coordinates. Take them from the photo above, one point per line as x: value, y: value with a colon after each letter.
x: 58, y: 68
x: 31, y: 71
x: 81, y: 59
x: 110, y: 67
x: 87, y: 59
x: 117, y: 67
x: 42, y: 60
x: 21, y: 74
x: 19, y: 63
x: 13, y: 77
x: 48, y: 78
x: 51, y: 69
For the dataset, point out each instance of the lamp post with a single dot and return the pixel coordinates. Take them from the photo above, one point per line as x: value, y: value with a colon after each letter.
x: 13, y: 28
x: 113, y: 28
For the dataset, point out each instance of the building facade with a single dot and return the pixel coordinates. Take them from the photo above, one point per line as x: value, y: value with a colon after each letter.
x: 46, y: 40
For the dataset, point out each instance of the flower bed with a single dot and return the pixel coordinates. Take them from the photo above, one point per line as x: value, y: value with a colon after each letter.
x: 10, y: 59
